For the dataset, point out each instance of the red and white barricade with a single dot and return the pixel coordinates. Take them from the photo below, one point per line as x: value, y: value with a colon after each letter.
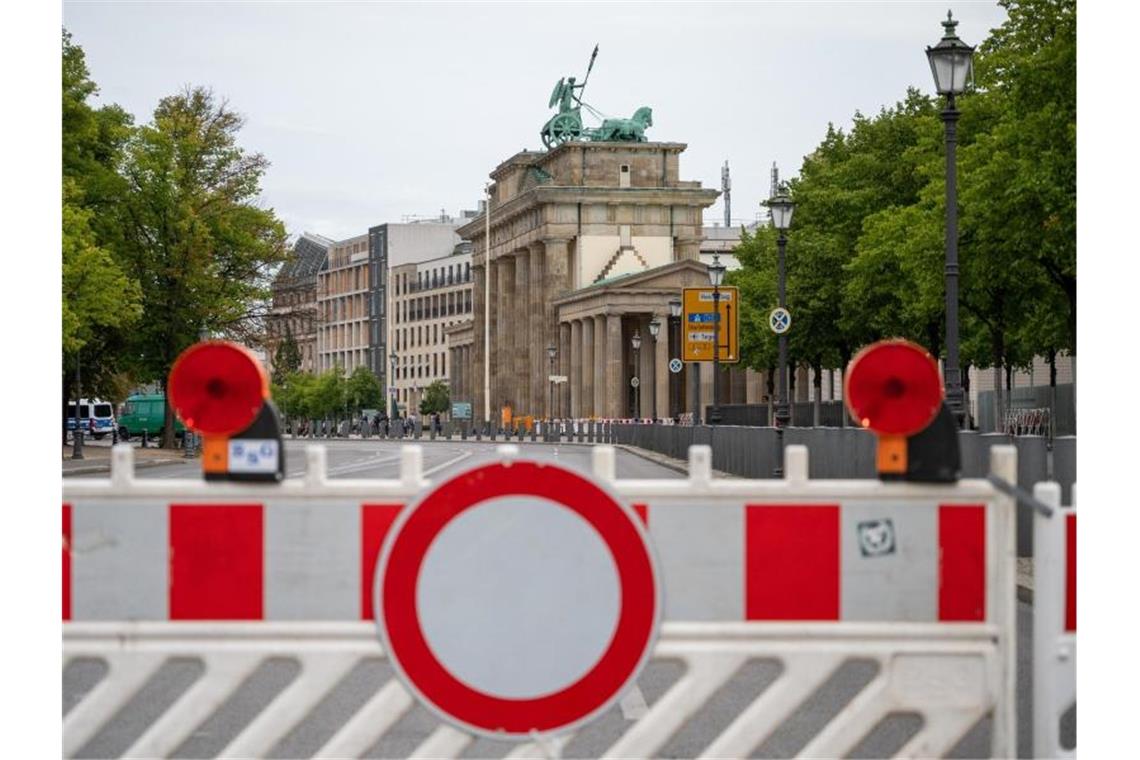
x: 917, y: 579
x: 1054, y: 621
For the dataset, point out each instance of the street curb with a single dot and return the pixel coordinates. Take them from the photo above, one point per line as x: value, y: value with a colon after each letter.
x: 677, y: 465
x: 95, y: 468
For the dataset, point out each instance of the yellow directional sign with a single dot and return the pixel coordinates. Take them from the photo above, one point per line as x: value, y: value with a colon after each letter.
x: 698, y: 325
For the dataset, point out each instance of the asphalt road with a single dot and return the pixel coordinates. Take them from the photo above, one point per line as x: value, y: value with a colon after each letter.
x: 374, y: 458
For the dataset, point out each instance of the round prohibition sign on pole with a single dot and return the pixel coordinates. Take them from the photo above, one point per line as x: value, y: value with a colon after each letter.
x: 780, y: 320
x: 517, y: 598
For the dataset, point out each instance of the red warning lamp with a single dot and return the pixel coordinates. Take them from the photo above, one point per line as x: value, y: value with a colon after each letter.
x: 220, y: 389
x: 217, y: 387
x: 893, y: 388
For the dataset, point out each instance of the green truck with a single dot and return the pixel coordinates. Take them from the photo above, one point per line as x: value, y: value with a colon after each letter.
x: 145, y: 413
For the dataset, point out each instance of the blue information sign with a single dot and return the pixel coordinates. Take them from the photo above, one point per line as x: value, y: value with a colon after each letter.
x: 461, y: 410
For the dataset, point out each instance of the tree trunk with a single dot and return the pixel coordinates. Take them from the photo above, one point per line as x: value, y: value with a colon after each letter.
x: 167, y: 419
x: 966, y: 417
x: 999, y: 408
x: 817, y: 381
x: 1052, y: 359
x: 68, y: 378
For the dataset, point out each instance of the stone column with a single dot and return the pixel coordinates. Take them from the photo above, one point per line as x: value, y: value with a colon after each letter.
x: 575, y: 409
x: 478, y: 350
x: 504, y: 390
x: 556, y: 281
x: 614, y: 388
x: 688, y: 248
x: 645, y: 370
x: 600, y: 376
x: 661, y: 370
x: 536, y: 374
x: 587, y: 381
x: 562, y: 390
x: 520, y: 328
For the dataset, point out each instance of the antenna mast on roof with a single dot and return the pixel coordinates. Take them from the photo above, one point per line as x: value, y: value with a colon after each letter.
x: 726, y: 186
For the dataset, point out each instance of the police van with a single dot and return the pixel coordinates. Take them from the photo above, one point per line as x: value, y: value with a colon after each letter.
x: 102, y: 413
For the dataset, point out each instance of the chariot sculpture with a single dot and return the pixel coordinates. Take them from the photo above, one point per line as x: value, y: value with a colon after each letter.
x: 566, y: 125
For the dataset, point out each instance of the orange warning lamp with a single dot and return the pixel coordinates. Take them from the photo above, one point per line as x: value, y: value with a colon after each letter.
x: 218, y: 389
x: 893, y: 387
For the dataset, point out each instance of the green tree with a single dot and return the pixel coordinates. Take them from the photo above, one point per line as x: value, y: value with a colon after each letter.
x: 437, y: 398
x: 363, y: 390
x: 99, y: 300
x: 325, y: 398
x: 194, y: 233
x: 287, y: 357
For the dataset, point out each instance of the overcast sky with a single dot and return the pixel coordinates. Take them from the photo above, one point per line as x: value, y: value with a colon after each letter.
x: 370, y: 112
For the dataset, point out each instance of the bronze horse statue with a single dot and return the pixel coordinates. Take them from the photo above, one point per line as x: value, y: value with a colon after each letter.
x: 624, y: 130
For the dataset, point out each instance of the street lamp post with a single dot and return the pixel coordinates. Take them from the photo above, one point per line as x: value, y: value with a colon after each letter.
x: 951, y: 63
x: 551, y: 352
x: 675, y: 382
x: 782, y: 208
x: 77, y: 437
x: 636, y: 341
x: 716, y: 277
x: 654, y: 331
x: 392, y: 358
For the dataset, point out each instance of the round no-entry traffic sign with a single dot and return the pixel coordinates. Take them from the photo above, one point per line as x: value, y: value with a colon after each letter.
x: 517, y: 598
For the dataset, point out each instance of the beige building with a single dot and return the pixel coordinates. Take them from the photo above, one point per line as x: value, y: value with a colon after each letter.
x: 426, y: 299
x: 587, y: 244
x: 342, y: 307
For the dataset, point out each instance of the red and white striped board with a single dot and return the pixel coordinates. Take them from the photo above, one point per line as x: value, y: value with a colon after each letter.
x: 728, y: 550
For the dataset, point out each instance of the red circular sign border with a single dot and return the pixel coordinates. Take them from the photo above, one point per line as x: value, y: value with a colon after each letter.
x: 557, y: 712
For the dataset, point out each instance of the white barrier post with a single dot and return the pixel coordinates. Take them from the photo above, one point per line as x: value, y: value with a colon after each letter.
x: 1000, y: 535
x: 1054, y: 647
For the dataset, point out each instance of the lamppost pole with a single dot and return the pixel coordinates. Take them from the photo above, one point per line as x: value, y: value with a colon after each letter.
x: 952, y: 372
x: 392, y: 359
x: 716, y: 275
x: 781, y: 208
x: 655, y: 332
x: 77, y: 437
x: 551, y: 352
x: 951, y: 63
x: 674, y: 378
x: 783, y: 415
x: 636, y: 341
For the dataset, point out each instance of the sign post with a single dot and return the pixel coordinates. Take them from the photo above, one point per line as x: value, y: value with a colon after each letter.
x: 518, y: 598
x: 698, y: 333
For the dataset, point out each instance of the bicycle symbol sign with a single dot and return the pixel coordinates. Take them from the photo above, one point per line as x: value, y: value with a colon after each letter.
x: 780, y: 320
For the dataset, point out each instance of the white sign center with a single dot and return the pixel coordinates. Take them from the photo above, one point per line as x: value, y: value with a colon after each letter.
x: 518, y: 597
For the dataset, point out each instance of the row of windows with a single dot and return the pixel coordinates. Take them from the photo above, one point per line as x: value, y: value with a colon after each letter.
x: 437, y: 277
x: 341, y: 281
x: 344, y: 307
x: 423, y: 335
x: 420, y: 366
x: 298, y: 326
x: 433, y: 307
